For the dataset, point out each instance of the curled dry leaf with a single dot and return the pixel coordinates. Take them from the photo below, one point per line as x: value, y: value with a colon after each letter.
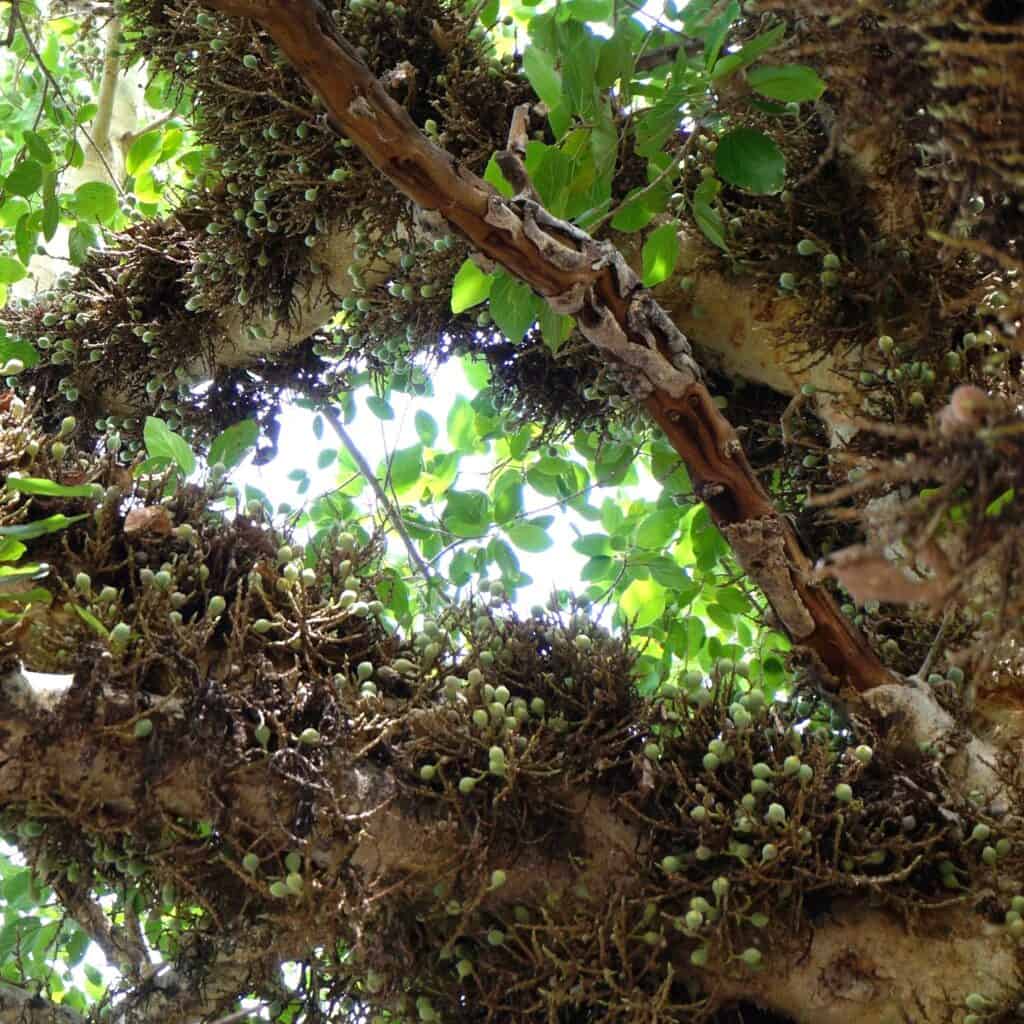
x: 151, y: 519
x: 869, y: 576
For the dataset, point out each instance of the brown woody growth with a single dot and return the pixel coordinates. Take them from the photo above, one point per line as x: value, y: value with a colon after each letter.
x: 591, y: 281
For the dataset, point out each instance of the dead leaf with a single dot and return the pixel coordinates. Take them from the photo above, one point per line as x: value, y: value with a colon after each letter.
x: 152, y: 519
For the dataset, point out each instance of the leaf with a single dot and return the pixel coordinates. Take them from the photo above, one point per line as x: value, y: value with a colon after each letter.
x: 461, y: 425
x: 406, y: 467
x: 37, y: 147
x: 545, y: 80
x: 643, y: 602
x: 25, y: 235
x: 15, y: 348
x: 707, y: 217
x: 788, y: 83
x: 586, y: 10
x: 529, y: 537
x: 162, y: 442
x: 49, y: 488
x: 380, y: 407
x: 731, y: 62
x: 555, y: 328
x: 750, y: 160
x: 470, y: 287
x: 467, y: 513
x: 144, y: 153
x: 11, y: 270
x: 493, y: 175
x: 13, y: 209
x: 91, y: 621
x: 658, y: 528
x: 661, y: 250
x: 513, y: 306
x: 616, y: 58
x: 81, y: 239
x: 230, y: 446
x: 326, y: 458
x: 25, y: 179
x: 11, y: 550
x: 39, y: 528
x: 95, y: 201
x: 426, y: 427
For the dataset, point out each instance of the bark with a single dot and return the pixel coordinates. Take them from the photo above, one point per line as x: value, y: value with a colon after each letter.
x: 856, y: 963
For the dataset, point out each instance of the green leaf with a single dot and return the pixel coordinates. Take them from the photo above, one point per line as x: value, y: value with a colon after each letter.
x: 467, y: 513
x: 95, y: 201
x: 477, y: 371
x: 586, y: 10
x: 11, y: 550
x: 617, y: 55
x: 25, y: 235
x: 380, y: 407
x: 13, y: 209
x: 661, y: 250
x: 230, y: 446
x: 592, y: 544
x: 49, y: 488
x: 11, y: 270
x: 704, y: 213
x: 15, y: 348
x: 327, y: 457
x: 508, y: 496
x: 750, y: 160
x: 162, y: 442
x: 788, y: 83
x: 545, y: 80
x: 406, y: 467
x: 658, y: 528
x: 462, y: 425
x: 81, y: 239
x: 470, y: 287
x: 91, y: 621
x: 37, y: 147
x: 555, y: 328
x: 493, y: 175
x: 25, y: 179
x: 529, y: 537
x: 634, y: 214
x: 426, y: 427
x: 513, y: 306
x: 144, y: 152
x: 51, y: 214
x: 578, y: 59
x: 39, y: 528
x: 643, y: 602
x: 731, y: 62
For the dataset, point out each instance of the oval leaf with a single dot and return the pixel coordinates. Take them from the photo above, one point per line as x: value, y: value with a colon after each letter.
x: 788, y: 83
x: 661, y: 250
x: 164, y: 443
x: 470, y: 287
x: 529, y: 537
x: 95, y: 201
x: 25, y: 178
x: 750, y: 160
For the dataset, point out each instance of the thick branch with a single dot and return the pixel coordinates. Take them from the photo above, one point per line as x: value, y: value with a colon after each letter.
x: 593, y: 282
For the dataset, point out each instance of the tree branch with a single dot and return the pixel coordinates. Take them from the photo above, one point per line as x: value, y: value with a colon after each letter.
x: 591, y: 281
x: 393, y: 514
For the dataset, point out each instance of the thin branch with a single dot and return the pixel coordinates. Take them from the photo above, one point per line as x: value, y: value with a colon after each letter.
x: 47, y: 74
x: 393, y: 514
x: 127, y: 138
